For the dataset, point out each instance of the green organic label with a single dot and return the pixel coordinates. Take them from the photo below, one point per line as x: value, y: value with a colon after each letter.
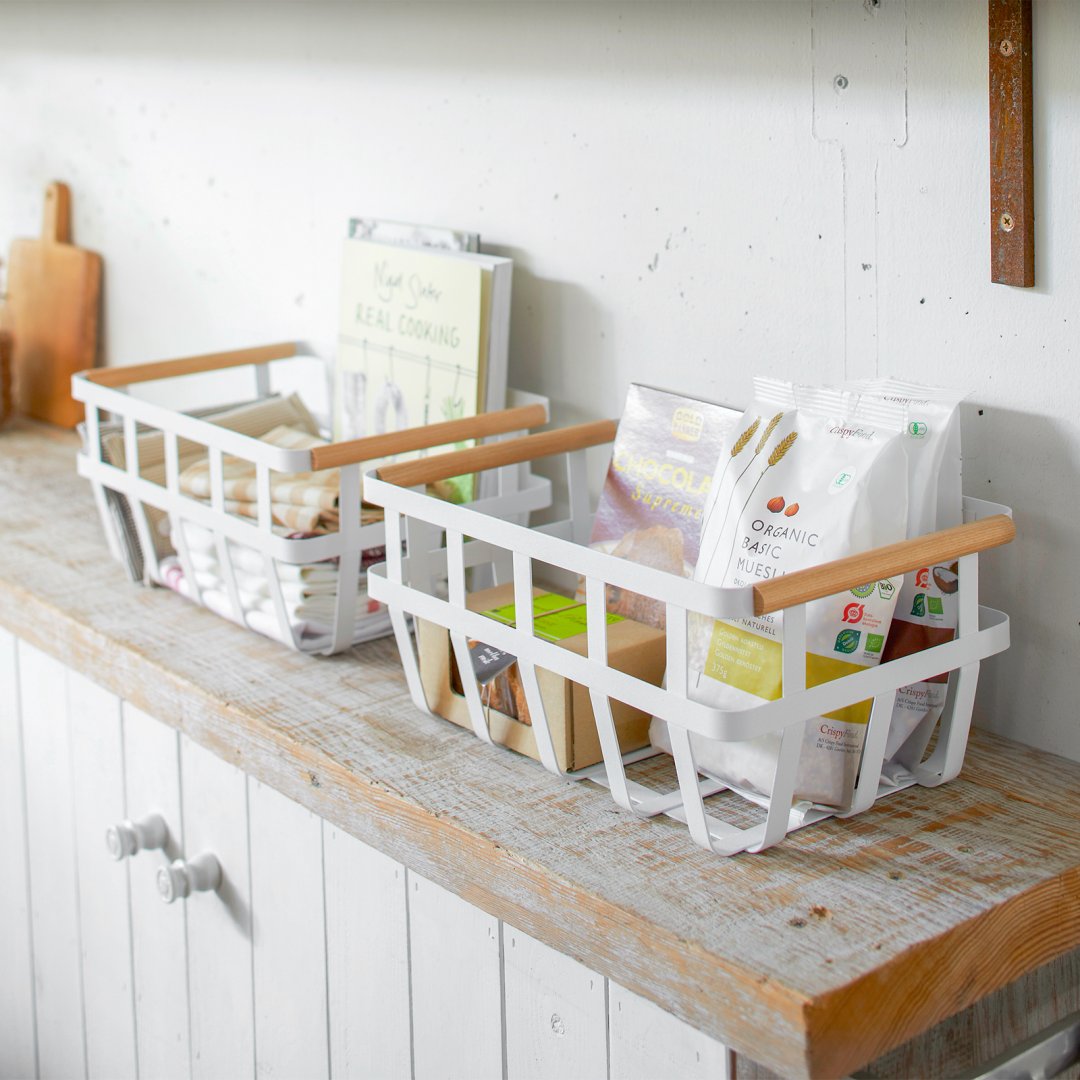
x: 885, y: 589
x: 847, y: 641
x: 935, y: 605
x: 875, y: 642
x: 554, y: 617
x: 917, y: 429
x: 863, y: 590
x: 918, y: 607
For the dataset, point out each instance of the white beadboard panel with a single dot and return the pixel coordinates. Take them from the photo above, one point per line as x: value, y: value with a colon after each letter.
x: 97, y: 753
x: 17, y: 971
x: 54, y: 900
x: 158, y: 931
x: 556, y: 1018
x: 218, y: 923
x: 367, y: 960
x: 647, y: 1043
x: 289, y: 937
x: 456, y: 991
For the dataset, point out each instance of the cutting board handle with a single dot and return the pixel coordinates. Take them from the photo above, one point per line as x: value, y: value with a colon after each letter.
x: 56, y: 223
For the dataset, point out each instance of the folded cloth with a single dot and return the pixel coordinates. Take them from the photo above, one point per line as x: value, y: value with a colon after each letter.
x: 310, y: 620
x: 312, y: 489
x: 258, y: 588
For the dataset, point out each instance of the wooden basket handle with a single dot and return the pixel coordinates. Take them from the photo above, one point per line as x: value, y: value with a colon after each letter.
x: 495, y: 455
x: 189, y: 365
x: 880, y: 563
x: 421, y: 438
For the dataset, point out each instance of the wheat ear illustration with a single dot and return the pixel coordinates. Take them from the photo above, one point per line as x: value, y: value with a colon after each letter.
x: 779, y: 450
x: 737, y: 448
x: 747, y: 435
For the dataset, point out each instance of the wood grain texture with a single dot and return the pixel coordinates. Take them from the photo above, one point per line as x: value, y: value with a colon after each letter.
x: 916, y: 892
x: 53, y: 299
x: 158, y: 931
x: 367, y: 958
x: 17, y: 1040
x: 422, y: 438
x: 1012, y: 158
x: 802, y: 586
x: 129, y: 374
x: 495, y: 455
x: 97, y: 777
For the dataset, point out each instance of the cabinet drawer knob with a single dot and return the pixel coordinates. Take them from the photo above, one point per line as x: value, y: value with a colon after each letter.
x: 181, y: 879
x: 130, y: 837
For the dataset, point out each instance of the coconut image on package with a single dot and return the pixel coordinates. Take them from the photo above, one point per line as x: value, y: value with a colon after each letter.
x: 809, y: 476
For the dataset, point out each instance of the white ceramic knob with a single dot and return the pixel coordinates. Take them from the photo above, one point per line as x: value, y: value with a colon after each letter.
x: 130, y: 837
x: 181, y: 879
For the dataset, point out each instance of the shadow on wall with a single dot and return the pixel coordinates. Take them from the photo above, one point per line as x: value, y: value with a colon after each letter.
x: 559, y: 343
x: 1026, y: 461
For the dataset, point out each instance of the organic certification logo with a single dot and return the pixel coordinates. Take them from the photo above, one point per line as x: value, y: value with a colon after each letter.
x: 918, y: 608
x: 841, y: 480
x: 853, y: 613
x: 863, y: 590
x: 875, y: 642
x: 886, y: 589
x: 917, y: 429
x: 847, y: 641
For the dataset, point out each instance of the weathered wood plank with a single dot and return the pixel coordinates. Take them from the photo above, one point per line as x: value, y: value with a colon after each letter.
x: 367, y: 957
x: 456, y: 987
x: 97, y: 748
x: 54, y: 898
x: 289, y: 937
x: 777, y: 942
x: 17, y: 1042
x: 650, y: 1044
x: 219, y: 923
x: 556, y: 1012
x: 158, y: 932
x: 1012, y: 159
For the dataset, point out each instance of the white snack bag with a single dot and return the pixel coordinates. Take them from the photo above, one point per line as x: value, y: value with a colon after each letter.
x: 809, y: 476
x: 926, y: 612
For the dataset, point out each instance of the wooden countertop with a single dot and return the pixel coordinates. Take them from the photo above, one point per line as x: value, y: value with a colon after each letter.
x: 813, y: 958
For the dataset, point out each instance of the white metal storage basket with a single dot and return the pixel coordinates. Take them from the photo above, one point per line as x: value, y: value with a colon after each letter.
x: 473, y: 539
x: 514, y: 493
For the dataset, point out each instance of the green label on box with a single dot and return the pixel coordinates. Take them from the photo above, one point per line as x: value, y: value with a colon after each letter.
x: 554, y: 617
x: 935, y: 605
x: 875, y: 642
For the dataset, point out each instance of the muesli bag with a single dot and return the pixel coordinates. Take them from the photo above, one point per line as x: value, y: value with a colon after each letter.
x: 809, y: 476
x: 926, y: 611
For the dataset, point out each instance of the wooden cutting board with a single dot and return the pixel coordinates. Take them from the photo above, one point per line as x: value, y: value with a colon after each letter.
x: 54, y: 292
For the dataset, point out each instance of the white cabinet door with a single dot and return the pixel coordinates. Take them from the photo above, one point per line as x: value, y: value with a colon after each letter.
x: 556, y: 1012
x: 648, y: 1043
x: 456, y: 977
x: 158, y: 931
x: 367, y: 960
x: 17, y: 1047
x: 289, y: 937
x: 54, y: 901
x: 97, y: 753
x: 218, y: 923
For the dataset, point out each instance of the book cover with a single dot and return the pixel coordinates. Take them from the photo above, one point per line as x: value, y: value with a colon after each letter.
x: 656, y: 488
x: 411, y: 330
x: 408, y: 234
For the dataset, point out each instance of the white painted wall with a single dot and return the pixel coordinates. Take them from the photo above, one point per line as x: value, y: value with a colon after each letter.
x: 687, y: 198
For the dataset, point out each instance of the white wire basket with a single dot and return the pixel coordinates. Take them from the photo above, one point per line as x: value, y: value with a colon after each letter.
x: 241, y: 545
x: 445, y: 543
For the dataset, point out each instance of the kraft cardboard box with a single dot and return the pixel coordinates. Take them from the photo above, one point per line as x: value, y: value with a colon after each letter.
x: 632, y: 647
